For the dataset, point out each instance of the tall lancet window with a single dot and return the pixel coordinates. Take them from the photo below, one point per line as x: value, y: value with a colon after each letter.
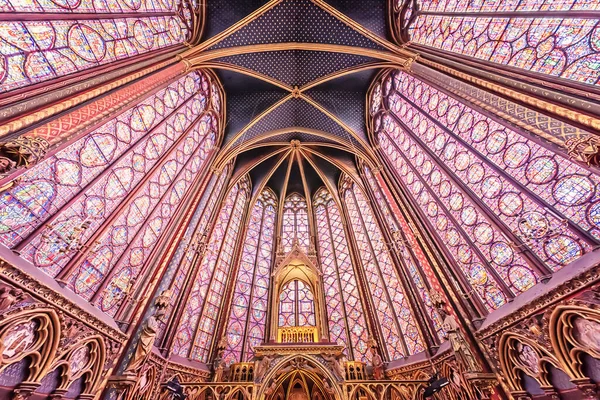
x: 295, y: 223
x: 197, y: 328
x: 246, y: 326
x: 498, y: 201
x: 400, y: 332
x: 547, y: 37
x: 197, y: 234
x: 296, y: 305
x: 410, y: 261
x: 47, y: 40
x: 345, y: 312
x: 91, y: 213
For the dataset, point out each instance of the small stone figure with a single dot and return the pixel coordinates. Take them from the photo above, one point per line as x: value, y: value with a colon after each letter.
x: 164, y: 299
x: 10, y: 296
x: 261, y: 367
x: 461, y: 348
x: 219, y: 362
x: 334, y: 365
x: 328, y: 389
x: 144, y: 346
x: 378, y: 373
x: 271, y: 389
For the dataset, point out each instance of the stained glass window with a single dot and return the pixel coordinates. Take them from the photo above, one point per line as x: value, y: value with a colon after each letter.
x: 296, y: 304
x: 72, y: 39
x: 400, y: 332
x: 488, y: 191
x: 246, y: 326
x: 92, y: 213
x: 197, y: 327
x: 407, y: 255
x: 195, y: 236
x: 345, y: 312
x: 546, y: 37
x: 295, y: 223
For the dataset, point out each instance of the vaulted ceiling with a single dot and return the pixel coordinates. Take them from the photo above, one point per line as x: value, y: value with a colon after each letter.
x: 296, y: 74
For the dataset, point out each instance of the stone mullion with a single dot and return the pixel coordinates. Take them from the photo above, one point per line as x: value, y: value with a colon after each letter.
x: 573, y: 227
x: 580, y: 99
x: 26, y: 240
x: 147, y: 307
x: 70, y: 86
x: 378, y: 269
x: 193, y: 272
x: 545, y: 106
x: 374, y: 327
x: 109, y: 275
x: 474, y: 304
x: 55, y: 134
x: 271, y: 288
x: 175, y: 303
x: 415, y: 301
x: 530, y: 257
x: 165, y: 251
x: 226, y: 299
x: 251, y: 297
x: 74, y: 262
x: 338, y: 279
x: 212, y: 276
x: 502, y: 285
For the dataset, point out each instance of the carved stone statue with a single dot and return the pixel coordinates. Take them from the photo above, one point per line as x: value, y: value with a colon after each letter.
x: 144, y: 346
x: 334, y: 365
x: 328, y: 389
x: 262, y: 366
x: 164, y: 299
x: 271, y: 389
x: 378, y: 365
x: 460, y: 346
x: 219, y: 362
x: 10, y: 296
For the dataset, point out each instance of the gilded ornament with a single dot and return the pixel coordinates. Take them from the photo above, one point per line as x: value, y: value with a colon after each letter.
x: 22, y: 151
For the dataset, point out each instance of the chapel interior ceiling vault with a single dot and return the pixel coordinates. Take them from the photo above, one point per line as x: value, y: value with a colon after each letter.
x: 295, y: 70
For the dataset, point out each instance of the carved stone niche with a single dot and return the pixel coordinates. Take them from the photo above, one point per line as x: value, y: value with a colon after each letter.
x: 485, y: 383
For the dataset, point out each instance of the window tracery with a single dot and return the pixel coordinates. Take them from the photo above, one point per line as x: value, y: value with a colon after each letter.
x: 197, y: 327
x: 36, y: 50
x: 296, y: 305
x: 345, y: 313
x: 246, y: 325
x: 91, y: 213
x: 546, y: 37
x: 489, y: 191
x: 400, y: 332
x: 192, y: 249
x: 295, y: 223
x: 410, y: 263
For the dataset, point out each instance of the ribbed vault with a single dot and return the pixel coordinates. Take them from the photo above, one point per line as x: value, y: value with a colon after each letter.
x: 295, y: 71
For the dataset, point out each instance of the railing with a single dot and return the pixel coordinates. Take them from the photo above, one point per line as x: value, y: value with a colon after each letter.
x: 242, y: 372
x: 355, y: 371
x: 298, y: 334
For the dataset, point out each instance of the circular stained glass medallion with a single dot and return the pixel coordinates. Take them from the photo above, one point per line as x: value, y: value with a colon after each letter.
x: 563, y: 249
x: 501, y: 253
x: 496, y: 142
x: 516, y: 155
x: 533, y: 225
x: 521, y: 278
x: 541, y: 170
x: 477, y: 274
x: 510, y: 204
x: 573, y: 190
